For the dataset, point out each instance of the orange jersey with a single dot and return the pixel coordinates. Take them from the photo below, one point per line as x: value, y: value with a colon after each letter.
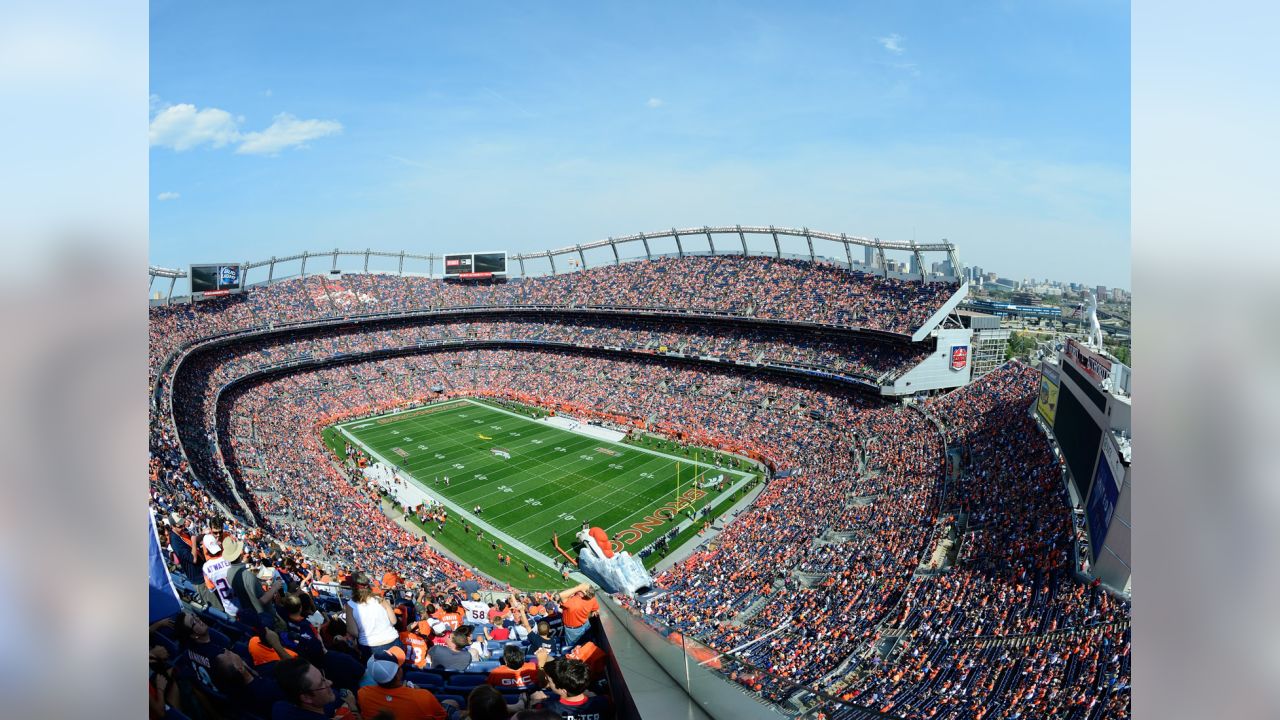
x: 403, y: 703
x: 263, y: 654
x: 415, y: 649
x: 453, y: 620
x: 522, y: 678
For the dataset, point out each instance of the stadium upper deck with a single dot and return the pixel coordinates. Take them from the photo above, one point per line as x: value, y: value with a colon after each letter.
x: 748, y: 287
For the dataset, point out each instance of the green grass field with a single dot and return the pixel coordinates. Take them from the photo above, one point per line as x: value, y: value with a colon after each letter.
x: 553, y: 481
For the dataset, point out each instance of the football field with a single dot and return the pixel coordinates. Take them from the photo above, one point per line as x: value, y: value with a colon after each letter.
x: 532, y: 479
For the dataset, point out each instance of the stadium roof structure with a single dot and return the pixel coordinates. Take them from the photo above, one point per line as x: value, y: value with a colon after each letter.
x: 680, y: 236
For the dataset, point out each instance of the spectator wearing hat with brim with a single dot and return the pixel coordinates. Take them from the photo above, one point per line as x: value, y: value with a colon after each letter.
x: 391, y: 694
x: 256, y: 606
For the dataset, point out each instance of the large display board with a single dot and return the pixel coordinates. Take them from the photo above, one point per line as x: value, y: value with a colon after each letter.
x: 475, y: 265
x: 1079, y: 436
x: 1047, y: 403
x: 216, y: 279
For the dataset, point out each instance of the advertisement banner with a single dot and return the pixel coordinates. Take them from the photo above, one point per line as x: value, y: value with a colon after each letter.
x: 1093, y: 364
x: 1047, y: 403
x: 1101, y: 506
x: 959, y: 357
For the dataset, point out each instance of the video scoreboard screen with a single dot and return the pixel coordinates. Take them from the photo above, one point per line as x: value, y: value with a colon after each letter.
x: 216, y: 280
x: 475, y: 265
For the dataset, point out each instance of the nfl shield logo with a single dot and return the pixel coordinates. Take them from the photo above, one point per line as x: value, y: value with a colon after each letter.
x: 959, y: 356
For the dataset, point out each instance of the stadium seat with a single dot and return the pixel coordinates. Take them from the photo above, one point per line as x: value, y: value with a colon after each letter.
x: 466, y: 680
x: 483, y: 666
x: 167, y: 643
x: 428, y: 680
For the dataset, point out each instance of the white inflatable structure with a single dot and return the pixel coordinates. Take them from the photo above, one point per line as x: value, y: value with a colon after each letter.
x: 620, y: 573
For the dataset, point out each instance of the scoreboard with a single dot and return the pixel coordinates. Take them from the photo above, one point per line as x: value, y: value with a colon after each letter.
x: 216, y: 280
x: 475, y: 265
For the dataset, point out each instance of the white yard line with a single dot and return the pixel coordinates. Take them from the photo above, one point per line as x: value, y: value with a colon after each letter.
x: 742, y: 477
x: 458, y: 509
x: 375, y: 418
x: 637, y: 448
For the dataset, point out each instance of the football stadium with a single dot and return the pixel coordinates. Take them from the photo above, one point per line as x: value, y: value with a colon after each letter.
x: 705, y: 472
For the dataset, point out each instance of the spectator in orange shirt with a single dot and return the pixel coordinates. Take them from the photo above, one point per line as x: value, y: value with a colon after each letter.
x: 577, y: 604
x: 514, y: 673
x: 391, y: 695
x: 415, y: 646
x: 270, y: 651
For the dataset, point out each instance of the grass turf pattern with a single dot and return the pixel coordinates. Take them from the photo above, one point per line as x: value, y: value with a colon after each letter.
x: 554, y: 480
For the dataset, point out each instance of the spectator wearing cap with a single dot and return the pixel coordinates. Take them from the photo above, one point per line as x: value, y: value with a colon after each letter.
x: 373, y: 617
x: 216, y: 589
x: 310, y: 695
x: 440, y: 632
x: 256, y: 605
x: 578, y: 604
x: 395, y: 697
x: 477, y: 611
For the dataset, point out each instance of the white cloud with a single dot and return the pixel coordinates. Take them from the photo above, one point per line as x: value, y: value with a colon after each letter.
x: 892, y: 43
x: 654, y: 102
x: 183, y: 127
x: 287, y: 131
x: 168, y: 196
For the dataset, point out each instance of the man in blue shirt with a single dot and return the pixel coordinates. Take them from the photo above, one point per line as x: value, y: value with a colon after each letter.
x: 568, y: 694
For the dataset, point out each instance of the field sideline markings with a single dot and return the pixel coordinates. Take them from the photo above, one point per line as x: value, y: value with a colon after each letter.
x: 583, y: 484
x: 374, y: 418
x: 536, y: 555
x: 677, y: 458
x: 538, y: 477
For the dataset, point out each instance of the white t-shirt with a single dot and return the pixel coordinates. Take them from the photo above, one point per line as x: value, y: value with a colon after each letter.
x: 477, y: 612
x: 215, y: 573
x: 371, y: 618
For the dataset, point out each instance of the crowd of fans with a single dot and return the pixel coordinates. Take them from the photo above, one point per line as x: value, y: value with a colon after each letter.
x: 831, y: 560
x: 745, y: 286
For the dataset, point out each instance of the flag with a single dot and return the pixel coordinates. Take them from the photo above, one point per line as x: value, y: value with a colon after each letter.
x: 483, y: 437
x: 163, y: 598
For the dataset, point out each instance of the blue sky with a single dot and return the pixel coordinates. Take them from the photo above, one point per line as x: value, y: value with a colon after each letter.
x: 284, y: 126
